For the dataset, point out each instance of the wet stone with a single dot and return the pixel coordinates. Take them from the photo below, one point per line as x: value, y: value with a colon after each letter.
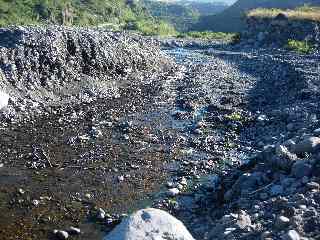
x: 61, y: 235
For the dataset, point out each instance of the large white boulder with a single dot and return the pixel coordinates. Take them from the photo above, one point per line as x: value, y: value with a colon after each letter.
x: 150, y: 224
x: 4, y: 98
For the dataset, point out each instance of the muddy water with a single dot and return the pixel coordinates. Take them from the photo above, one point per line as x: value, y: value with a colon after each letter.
x: 58, y: 169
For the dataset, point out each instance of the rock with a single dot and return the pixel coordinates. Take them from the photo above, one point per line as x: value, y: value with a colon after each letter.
x: 301, y: 169
x: 282, y: 222
x: 261, y: 36
x: 266, y: 235
x: 317, y: 132
x: 313, y: 185
x: 120, y: 178
x: 35, y: 202
x: 289, y: 144
x: 282, y: 151
x: 262, y: 118
x: 173, y: 192
x: 290, y: 127
x: 263, y: 196
x: 287, y: 182
x: 276, y: 190
x: 308, y: 145
x: 291, y: 235
x: 62, y: 235
x: 74, y: 231
x: 4, y: 99
x: 150, y: 224
x: 101, y: 214
x: 277, y: 157
x: 228, y: 195
x: 243, y: 220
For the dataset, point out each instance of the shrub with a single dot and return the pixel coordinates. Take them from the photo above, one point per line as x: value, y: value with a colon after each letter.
x: 208, y: 35
x: 152, y: 27
x: 300, y: 46
x: 305, y: 12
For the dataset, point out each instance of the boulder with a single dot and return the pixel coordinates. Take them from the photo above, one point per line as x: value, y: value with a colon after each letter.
x: 149, y: 224
x: 291, y: 235
x: 308, y: 145
x: 4, y: 99
x: 301, y: 169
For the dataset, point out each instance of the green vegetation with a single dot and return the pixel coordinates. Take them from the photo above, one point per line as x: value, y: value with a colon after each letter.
x: 299, y: 46
x: 153, y: 27
x: 232, y: 19
x: 208, y: 35
x: 66, y: 12
x: 177, y: 14
x: 305, y: 12
x: 113, y: 14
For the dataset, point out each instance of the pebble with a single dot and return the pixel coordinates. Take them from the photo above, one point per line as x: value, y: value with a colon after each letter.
x: 313, y: 185
x: 101, y: 214
x: 305, y: 180
x: 62, y: 235
x: 291, y: 235
x: 74, y: 231
x: 301, y: 169
x: 276, y: 190
x: 308, y: 145
x: 317, y: 131
x: 35, y: 202
x: 21, y: 191
x: 120, y: 178
x: 263, y: 196
x: 282, y: 222
x: 173, y: 192
x: 265, y: 235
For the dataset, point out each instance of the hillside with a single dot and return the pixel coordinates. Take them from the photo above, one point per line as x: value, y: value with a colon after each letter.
x: 230, y: 20
x: 72, y: 12
x: 208, y: 8
x: 181, y: 14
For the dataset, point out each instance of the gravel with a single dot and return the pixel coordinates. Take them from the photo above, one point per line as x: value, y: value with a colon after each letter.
x: 234, y: 130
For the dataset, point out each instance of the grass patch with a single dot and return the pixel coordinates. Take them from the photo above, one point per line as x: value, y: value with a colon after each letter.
x: 305, y: 12
x: 299, y: 46
x: 208, y: 35
x: 152, y: 28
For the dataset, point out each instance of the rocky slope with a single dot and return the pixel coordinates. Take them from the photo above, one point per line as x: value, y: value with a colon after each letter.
x: 43, y: 67
x: 260, y: 122
x: 227, y: 137
x: 275, y: 32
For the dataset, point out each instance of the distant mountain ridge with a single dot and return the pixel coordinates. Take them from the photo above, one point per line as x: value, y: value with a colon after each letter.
x: 182, y: 14
x: 231, y: 19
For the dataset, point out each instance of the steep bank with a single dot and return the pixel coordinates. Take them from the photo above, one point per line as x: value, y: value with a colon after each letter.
x: 43, y: 67
x: 277, y: 31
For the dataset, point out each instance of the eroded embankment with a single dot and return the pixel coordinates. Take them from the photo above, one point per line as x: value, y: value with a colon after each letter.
x: 276, y: 31
x: 56, y: 65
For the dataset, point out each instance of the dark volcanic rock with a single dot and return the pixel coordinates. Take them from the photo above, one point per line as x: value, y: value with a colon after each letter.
x: 54, y: 65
